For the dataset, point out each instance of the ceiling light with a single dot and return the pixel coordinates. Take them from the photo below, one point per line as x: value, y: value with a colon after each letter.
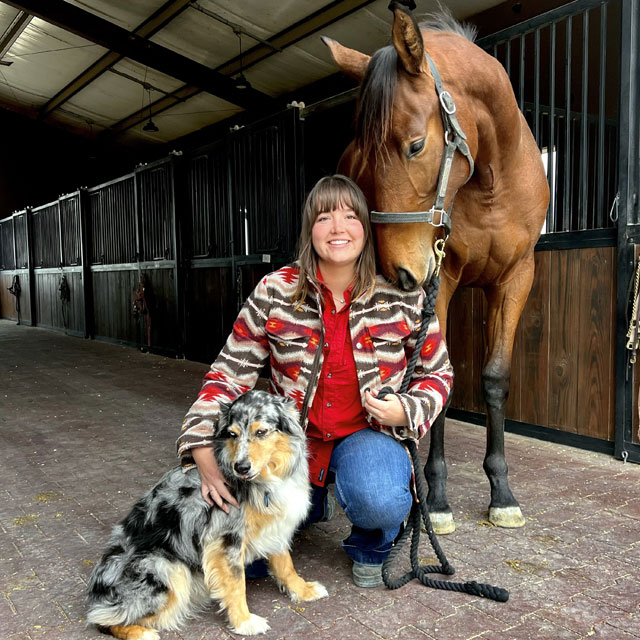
x: 151, y: 126
x: 241, y: 82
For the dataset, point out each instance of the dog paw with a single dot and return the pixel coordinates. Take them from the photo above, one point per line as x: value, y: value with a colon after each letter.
x: 253, y: 626
x: 311, y: 591
x: 149, y: 634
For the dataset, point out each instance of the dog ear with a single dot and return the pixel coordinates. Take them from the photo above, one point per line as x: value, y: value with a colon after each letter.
x: 289, y: 419
x: 223, y: 418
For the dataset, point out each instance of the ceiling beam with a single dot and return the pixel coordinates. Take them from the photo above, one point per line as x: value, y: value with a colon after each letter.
x: 130, y: 45
x: 13, y: 31
x: 287, y: 37
x: 163, y: 16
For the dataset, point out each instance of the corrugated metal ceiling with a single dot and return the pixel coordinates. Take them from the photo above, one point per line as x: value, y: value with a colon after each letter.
x: 51, y: 54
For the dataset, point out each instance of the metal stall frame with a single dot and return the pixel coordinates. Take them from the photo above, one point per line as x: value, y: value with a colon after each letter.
x: 626, y: 447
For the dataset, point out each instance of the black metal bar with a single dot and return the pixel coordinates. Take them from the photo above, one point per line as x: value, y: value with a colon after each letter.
x: 521, y: 77
x: 628, y: 174
x: 536, y: 86
x: 546, y: 434
x: 30, y: 267
x: 84, y: 214
x: 584, y: 142
x: 600, y: 212
x: 507, y: 65
x: 566, y: 212
x: 551, y: 147
x: 577, y: 239
x: 565, y: 11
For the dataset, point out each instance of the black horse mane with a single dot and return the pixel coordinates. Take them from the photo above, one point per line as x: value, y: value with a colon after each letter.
x: 375, y: 101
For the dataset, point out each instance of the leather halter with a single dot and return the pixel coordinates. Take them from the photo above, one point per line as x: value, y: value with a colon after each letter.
x: 455, y: 140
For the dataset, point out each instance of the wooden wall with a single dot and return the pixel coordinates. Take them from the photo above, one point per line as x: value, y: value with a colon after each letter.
x: 562, y: 373
x: 50, y: 311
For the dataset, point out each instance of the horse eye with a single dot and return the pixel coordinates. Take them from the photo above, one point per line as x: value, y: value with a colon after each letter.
x: 415, y: 147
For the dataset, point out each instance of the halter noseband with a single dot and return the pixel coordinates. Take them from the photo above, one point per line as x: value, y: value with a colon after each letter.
x: 455, y: 140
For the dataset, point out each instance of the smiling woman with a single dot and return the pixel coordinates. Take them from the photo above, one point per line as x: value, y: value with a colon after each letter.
x: 333, y: 333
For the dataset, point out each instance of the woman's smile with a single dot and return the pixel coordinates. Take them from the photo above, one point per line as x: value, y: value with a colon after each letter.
x: 338, y: 237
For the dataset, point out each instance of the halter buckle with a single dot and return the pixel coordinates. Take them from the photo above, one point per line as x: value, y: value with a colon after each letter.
x: 447, y: 102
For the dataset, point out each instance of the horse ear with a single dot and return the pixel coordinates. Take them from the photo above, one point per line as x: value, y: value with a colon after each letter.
x: 407, y: 41
x: 350, y: 61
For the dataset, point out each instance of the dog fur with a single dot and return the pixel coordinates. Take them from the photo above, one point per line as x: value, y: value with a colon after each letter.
x: 174, y: 552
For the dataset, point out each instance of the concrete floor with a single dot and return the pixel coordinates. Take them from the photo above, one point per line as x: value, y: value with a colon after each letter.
x: 87, y: 427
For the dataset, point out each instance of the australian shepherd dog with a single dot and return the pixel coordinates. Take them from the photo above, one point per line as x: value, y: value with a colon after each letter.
x: 173, y: 553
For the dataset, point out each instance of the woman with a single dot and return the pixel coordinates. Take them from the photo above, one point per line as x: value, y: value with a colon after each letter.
x: 334, y: 333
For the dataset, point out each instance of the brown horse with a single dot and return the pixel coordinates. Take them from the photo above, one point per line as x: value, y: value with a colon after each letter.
x: 397, y: 158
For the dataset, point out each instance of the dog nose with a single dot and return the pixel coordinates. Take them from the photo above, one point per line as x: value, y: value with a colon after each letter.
x: 242, y: 467
x: 406, y: 280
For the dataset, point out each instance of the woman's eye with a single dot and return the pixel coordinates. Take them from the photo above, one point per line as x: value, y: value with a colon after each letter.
x: 415, y: 147
x: 322, y: 218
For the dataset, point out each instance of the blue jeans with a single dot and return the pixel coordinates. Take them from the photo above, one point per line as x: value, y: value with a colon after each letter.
x: 372, y: 474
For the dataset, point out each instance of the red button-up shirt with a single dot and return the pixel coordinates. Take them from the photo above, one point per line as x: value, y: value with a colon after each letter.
x: 336, y: 411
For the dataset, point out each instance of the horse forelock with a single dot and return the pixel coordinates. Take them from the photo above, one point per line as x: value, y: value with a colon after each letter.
x: 375, y: 102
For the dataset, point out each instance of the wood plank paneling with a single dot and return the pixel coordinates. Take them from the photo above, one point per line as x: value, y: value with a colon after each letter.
x: 210, y: 311
x: 562, y: 372
x: 563, y: 339
x: 595, y: 337
x: 460, y: 343
x: 113, y: 305
x: 534, y: 327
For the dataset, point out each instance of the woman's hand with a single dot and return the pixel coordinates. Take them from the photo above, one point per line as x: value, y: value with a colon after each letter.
x: 389, y: 411
x: 214, y: 488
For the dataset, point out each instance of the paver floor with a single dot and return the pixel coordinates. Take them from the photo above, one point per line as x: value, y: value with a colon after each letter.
x: 86, y: 427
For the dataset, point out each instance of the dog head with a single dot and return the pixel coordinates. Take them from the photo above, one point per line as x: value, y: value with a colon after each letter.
x: 259, y: 435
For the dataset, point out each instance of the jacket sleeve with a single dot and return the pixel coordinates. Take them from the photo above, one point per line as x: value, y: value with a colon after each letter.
x: 234, y: 372
x: 430, y: 385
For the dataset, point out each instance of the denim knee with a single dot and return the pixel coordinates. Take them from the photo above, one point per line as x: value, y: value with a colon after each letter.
x: 371, y: 507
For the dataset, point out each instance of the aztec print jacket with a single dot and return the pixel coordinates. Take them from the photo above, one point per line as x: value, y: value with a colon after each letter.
x: 270, y: 328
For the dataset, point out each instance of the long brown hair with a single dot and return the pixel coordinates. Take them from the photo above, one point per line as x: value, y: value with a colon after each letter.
x: 328, y: 194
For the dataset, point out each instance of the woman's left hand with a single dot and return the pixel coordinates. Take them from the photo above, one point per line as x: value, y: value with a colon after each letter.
x: 389, y: 411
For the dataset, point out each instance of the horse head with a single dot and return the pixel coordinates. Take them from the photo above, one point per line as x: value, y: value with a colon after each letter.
x: 397, y: 154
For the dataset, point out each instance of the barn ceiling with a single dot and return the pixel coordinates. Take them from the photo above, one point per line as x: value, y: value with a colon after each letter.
x: 107, y: 67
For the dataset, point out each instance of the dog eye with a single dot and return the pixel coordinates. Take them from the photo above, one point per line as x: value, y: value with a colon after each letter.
x: 231, y: 434
x: 415, y: 147
x: 261, y: 432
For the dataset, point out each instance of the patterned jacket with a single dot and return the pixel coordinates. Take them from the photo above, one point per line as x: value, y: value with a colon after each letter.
x: 271, y: 329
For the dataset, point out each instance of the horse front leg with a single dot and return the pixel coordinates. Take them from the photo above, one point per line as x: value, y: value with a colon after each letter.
x: 505, y: 303
x: 435, y: 471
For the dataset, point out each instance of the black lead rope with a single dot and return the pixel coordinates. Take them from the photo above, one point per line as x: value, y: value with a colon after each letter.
x: 419, y: 510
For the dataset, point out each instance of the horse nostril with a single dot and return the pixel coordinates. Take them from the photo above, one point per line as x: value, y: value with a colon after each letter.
x: 406, y: 280
x: 242, y: 467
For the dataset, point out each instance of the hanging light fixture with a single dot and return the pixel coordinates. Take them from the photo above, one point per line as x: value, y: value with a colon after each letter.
x: 240, y: 81
x: 150, y: 125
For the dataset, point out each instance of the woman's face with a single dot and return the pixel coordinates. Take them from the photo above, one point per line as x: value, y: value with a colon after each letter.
x: 338, y: 237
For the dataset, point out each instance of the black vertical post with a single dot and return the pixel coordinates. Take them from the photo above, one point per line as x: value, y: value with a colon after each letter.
x: 178, y: 210
x: 628, y: 173
x: 84, y: 214
x: 32, y: 277
x: 600, y: 212
x: 536, y: 87
x: 568, y: 159
x: 551, y: 147
x: 584, y: 141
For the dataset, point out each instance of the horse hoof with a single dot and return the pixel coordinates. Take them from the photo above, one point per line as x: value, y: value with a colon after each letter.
x: 442, y: 522
x: 508, y: 517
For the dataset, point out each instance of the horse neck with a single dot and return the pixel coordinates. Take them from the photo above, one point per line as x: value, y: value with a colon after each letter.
x: 487, y: 109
